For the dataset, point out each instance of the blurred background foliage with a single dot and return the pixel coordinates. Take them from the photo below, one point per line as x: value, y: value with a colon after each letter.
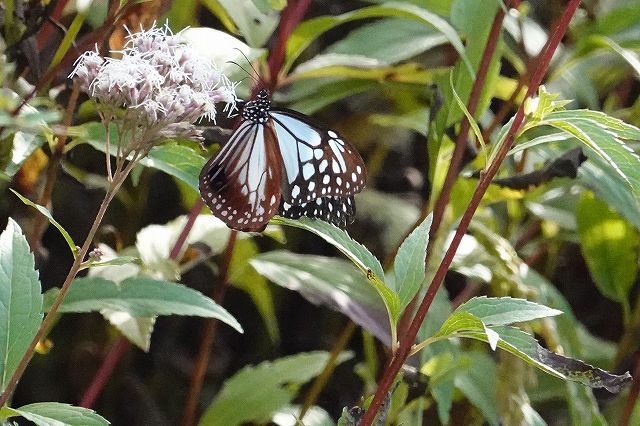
x: 554, y: 229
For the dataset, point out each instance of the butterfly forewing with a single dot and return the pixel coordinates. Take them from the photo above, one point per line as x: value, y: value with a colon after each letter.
x: 241, y: 185
x: 317, y: 163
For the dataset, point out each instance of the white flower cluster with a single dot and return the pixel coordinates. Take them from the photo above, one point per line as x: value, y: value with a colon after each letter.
x: 162, y: 81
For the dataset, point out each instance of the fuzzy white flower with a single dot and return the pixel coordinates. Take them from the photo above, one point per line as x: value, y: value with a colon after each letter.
x: 163, y: 83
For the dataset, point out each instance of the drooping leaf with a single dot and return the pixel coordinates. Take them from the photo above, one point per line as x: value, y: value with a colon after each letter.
x: 309, y: 30
x: 141, y: 297
x: 397, y: 40
x: 255, y: 392
x: 338, y: 238
x: 20, y: 299
x: 610, y: 246
x: 47, y: 214
x: 505, y: 310
x: 604, y: 137
x: 55, y: 414
x: 409, y: 264
x: 330, y: 282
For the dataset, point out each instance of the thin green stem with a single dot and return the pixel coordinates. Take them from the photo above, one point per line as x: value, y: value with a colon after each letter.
x: 75, y: 268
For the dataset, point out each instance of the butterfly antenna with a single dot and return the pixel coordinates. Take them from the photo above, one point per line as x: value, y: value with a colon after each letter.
x: 248, y: 73
x: 257, y: 74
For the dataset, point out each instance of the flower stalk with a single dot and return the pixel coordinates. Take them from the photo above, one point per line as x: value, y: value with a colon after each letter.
x: 156, y: 90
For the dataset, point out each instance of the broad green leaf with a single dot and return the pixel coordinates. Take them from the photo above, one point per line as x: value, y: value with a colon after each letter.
x: 583, y: 406
x: 255, y: 392
x: 327, y: 281
x: 604, y: 137
x: 610, y: 246
x: 338, y: 238
x: 179, y: 161
x: 310, y: 30
x: 55, y: 414
x: 141, y: 297
x: 14, y: 153
x: 20, y: 299
x: 358, y: 67
x: 396, y: 40
x: 47, y: 214
x: 505, y: 310
x: 255, y: 25
x: 309, y: 96
x: 478, y: 383
x: 22, y: 134
x: 409, y: 264
x: 596, y: 175
x: 525, y: 347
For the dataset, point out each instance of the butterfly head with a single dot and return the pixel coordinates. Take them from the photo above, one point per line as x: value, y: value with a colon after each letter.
x: 257, y: 110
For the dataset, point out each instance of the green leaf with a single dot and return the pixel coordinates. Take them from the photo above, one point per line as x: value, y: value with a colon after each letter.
x: 610, y: 247
x: 505, y: 310
x: 47, y: 214
x: 359, y: 255
x: 604, y: 137
x: 338, y: 238
x: 328, y: 281
x: 396, y: 40
x: 55, y: 414
x: 525, y: 347
x: 596, y: 175
x: 409, y: 264
x: 179, y: 161
x: 310, y: 30
x: 255, y: 392
x: 20, y: 300
x: 478, y: 383
x: 255, y: 25
x: 141, y: 297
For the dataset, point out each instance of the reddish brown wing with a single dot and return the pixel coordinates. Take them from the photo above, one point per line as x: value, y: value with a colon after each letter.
x: 241, y: 185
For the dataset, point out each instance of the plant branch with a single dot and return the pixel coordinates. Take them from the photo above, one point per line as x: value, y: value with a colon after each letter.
x: 458, y: 154
x: 197, y: 379
x: 407, y: 341
x: 628, y: 409
x: 75, y: 267
x: 105, y: 371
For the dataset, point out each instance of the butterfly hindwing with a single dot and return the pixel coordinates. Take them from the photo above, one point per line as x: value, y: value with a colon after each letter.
x: 241, y: 184
x: 317, y: 163
x: 336, y: 210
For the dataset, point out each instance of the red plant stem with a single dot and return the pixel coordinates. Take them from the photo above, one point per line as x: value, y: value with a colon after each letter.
x: 104, y: 372
x: 625, y: 418
x: 291, y: 16
x: 119, y: 348
x: 456, y: 159
x: 182, y: 238
x: 461, y: 142
x: 208, y: 336
x: 407, y: 340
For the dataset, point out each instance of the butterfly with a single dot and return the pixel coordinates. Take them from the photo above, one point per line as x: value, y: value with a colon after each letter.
x: 279, y: 162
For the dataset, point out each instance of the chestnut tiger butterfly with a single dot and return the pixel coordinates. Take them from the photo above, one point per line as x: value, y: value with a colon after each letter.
x: 278, y: 161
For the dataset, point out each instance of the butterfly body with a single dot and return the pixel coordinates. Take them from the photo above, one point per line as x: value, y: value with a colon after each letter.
x: 279, y: 162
